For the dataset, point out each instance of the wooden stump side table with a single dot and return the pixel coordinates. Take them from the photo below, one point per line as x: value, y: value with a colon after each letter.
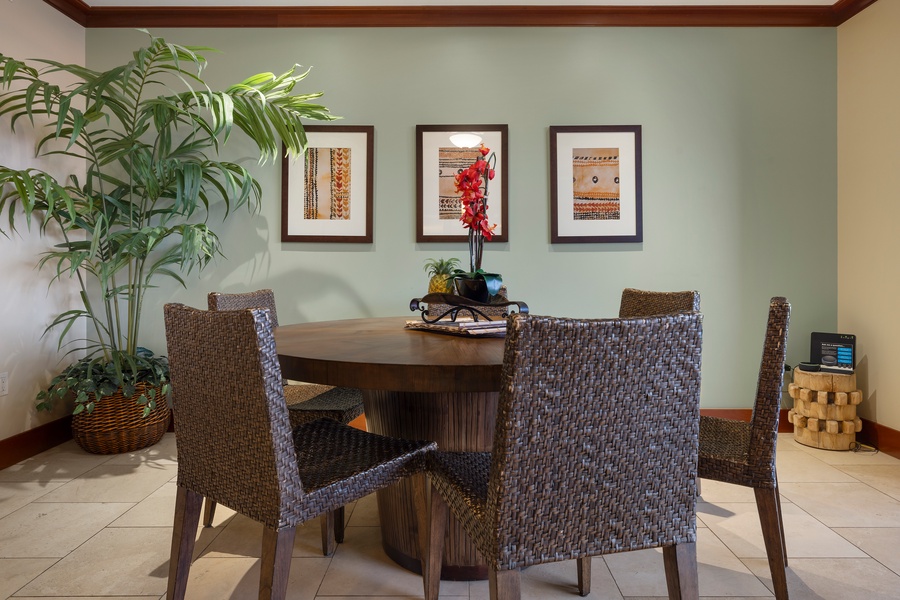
x: 824, y: 413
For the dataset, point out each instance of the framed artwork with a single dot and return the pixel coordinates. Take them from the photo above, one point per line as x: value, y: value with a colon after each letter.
x: 442, y: 151
x: 326, y: 195
x: 595, y: 184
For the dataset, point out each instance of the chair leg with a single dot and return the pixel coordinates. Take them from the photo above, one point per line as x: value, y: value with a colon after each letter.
x: 339, y: 525
x: 421, y: 506
x: 275, y: 566
x: 504, y: 585
x: 584, y: 576
x: 209, y: 511
x: 328, y: 541
x: 767, y: 505
x: 781, y: 522
x: 184, y: 533
x: 681, y: 571
x: 437, y: 530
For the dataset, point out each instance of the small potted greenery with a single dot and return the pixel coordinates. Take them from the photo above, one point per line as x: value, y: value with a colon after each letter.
x: 149, y: 132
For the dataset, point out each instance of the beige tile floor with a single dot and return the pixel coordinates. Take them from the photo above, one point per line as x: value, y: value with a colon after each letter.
x: 75, y: 525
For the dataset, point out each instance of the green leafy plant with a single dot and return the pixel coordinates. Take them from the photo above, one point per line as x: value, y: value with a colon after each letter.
x: 440, y: 266
x: 89, y: 379
x: 149, y: 132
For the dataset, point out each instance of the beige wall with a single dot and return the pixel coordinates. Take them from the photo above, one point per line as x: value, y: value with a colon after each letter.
x: 30, y: 28
x: 869, y: 202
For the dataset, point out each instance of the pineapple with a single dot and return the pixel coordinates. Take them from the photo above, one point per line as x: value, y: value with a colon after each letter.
x: 440, y: 269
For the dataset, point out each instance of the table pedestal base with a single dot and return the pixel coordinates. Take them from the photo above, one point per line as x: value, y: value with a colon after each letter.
x: 457, y: 422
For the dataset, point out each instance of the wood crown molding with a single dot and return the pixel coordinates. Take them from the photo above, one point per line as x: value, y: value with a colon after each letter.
x: 451, y: 16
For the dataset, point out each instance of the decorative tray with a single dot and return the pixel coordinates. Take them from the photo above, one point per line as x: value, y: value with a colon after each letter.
x: 446, y: 308
x: 462, y: 327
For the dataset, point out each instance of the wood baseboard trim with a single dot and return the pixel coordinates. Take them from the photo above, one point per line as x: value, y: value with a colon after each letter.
x: 883, y: 438
x: 34, y: 441
x: 887, y: 440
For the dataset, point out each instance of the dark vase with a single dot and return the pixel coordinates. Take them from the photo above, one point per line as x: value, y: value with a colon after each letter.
x: 473, y: 289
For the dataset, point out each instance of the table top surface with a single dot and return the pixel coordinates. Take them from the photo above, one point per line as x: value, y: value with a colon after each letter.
x: 380, y: 353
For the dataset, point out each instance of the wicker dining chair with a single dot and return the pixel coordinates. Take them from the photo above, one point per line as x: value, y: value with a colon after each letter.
x: 594, y: 452
x: 236, y: 446
x: 641, y: 303
x: 306, y: 402
x: 743, y: 453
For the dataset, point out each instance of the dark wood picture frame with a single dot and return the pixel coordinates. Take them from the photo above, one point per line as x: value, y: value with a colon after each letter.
x: 295, y: 227
x: 608, y: 208
x: 432, y: 182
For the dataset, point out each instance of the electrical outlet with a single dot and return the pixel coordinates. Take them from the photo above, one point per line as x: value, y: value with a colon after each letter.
x: 4, y: 384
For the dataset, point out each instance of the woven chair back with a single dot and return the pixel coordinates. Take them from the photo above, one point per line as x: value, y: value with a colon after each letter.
x: 264, y: 298
x: 234, y: 435
x: 595, y: 449
x: 767, y: 406
x: 641, y: 303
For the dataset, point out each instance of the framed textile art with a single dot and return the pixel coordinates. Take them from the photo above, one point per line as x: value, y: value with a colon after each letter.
x: 595, y: 184
x: 326, y: 195
x: 443, y: 151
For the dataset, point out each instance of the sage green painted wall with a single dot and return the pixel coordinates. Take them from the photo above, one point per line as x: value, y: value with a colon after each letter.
x: 739, y: 160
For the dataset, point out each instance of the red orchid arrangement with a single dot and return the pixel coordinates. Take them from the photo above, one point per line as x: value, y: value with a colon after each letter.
x: 472, y: 183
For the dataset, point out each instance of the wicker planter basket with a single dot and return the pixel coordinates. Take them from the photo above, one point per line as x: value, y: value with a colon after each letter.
x: 116, y: 425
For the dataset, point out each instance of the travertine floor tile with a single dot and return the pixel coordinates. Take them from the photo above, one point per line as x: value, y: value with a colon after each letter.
x: 153, y: 597
x: 844, y: 504
x: 833, y: 578
x: 123, y: 561
x: 47, y: 506
x: 114, y: 483
x: 884, y: 478
x: 837, y: 458
x: 53, y: 530
x: 361, y: 568
x: 16, y: 494
x: 156, y: 510
x: 720, y: 572
x: 17, y: 572
x: 242, y: 536
x: 217, y: 578
x: 801, y: 466
x: 62, y: 463
x: 160, y: 453
x: 881, y: 543
x: 719, y: 492
x: 804, y: 535
x: 364, y: 513
x: 557, y: 581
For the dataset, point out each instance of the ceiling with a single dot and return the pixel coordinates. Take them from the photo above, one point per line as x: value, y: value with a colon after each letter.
x: 447, y: 13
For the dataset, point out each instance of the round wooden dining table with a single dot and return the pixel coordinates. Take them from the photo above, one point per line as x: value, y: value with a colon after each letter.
x: 417, y: 385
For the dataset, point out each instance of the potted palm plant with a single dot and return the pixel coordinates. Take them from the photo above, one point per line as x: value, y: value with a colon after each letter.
x: 149, y: 132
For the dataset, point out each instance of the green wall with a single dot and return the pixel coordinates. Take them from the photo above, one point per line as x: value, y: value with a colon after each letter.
x: 739, y: 161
